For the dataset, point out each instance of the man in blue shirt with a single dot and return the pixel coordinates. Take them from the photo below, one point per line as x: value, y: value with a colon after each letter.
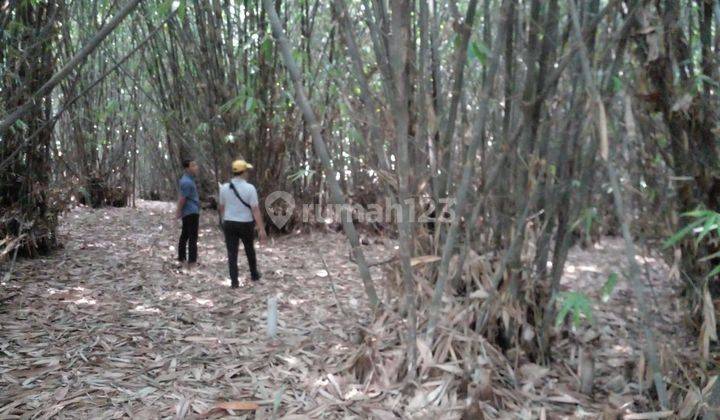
x: 188, y: 208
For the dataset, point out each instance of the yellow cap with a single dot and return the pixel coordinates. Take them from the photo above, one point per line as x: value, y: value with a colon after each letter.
x: 240, y: 166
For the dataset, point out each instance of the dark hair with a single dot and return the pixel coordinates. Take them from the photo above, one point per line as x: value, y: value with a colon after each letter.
x: 186, y: 163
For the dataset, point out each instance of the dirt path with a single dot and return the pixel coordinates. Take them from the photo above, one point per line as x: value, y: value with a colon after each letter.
x: 615, y: 335
x: 108, y: 327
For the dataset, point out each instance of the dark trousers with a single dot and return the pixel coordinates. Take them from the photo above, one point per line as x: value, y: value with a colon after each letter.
x: 234, y: 233
x: 189, y: 238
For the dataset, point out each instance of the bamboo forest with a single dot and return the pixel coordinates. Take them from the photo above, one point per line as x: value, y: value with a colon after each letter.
x: 360, y: 209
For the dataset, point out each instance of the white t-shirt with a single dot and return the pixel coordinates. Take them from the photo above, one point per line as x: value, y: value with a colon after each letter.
x: 235, y: 210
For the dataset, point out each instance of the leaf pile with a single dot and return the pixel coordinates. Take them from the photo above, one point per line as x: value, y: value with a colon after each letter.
x: 111, y: 327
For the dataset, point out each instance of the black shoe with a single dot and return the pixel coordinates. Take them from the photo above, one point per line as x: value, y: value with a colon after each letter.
x: 256, y: 278
x: 234, y: 285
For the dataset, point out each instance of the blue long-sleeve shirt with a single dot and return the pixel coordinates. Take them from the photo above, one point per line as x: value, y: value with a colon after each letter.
x: 188, y: 189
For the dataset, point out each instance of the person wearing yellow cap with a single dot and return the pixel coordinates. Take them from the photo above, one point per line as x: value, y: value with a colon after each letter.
x: 240, y: 213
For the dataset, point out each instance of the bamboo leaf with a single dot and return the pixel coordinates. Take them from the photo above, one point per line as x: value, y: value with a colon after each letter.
x: 710, y: 257
x: 677, y: 237
x: 715, y: 271
x: 480, y: 51
x: 608, y: 287
x: 711, y: 224
x: 575, y: 303
x: 182, y: 9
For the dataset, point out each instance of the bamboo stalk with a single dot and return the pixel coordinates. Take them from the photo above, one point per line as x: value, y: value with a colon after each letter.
x: 321, y: 151
x: 635, y: 283
x: 468, y: 169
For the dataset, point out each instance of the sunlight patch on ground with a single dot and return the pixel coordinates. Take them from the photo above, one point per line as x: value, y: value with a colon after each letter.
x: 203, y: 302
x: 186, y: 297
x: 292, y: 361
x: 85, y: 301
x: 645, y: 260
x: 589, y: 268
x: 162, y: 321
x: 71, y: 295
x: 321, y: 383
x: 146, y: 309
x: 622, y: 349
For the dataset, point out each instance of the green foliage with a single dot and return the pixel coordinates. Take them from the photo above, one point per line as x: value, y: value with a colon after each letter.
x: 202, y: 128
x: 267, y: 47
x: 585, y: 221
x: 706, y: 220
x: 608, y: 287
x: 298, y: 56
x: 233, y: 104
x: 552, y: 169
x: 301, y: 173
x: 701, y: 79
x: 15, y: 27
x: 20, y: 125
x: 480, y: 51
x: 32, y: 3
x: 578, y: 304
x: 182, y: 9
x: 166, y: 7
x: 575, y: 304
x: 110, y: 109
x: 705, y: 223
x: 714, y: 272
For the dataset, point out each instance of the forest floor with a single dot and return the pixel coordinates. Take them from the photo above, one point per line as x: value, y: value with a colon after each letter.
x: 110, y: 327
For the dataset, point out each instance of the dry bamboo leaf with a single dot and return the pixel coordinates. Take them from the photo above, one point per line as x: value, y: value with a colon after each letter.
x: 480, y: 293
x: 563, y: 399
x: 198, y: 339
x: 532, y: 373
x: 602, y: 122
x: 709, y: 315
x: 426, y: 357
x: 690, y: 404
x: 425, y: 259
x: 709, y: 385
x: 649, y: 416
x: 380, y: 414
x: 170, y: 342
x: 61, y: 393
x: 450, y: 368
x: 682, y: 104
x: 238, y: 405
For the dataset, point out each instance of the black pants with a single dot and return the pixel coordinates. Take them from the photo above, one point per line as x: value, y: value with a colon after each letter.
x: 234, y: 233
x: 189, y: 237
